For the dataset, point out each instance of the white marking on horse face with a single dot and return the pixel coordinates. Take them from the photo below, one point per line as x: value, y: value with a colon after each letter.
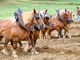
x: 42, y: 13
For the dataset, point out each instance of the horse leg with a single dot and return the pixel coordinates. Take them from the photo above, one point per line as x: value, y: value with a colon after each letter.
x: 20, y: 44
x: 5, y: 48
x: 15, y: 41
x: 48, y: 33
x: 32, y: 42
x: 3, y: 40
x: 66, y: 32
x: 27, y: 46
x: 11, y: 45
x: 59, y: 33
x: 33, y: 47
x: 33, y: 39
x: 44, y: 37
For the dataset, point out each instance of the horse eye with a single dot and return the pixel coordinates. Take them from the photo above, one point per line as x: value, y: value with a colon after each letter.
x: 37, y: 16
x: 47, y: 18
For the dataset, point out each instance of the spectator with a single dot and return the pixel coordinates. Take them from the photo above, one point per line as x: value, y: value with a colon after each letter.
x: 78, y: 14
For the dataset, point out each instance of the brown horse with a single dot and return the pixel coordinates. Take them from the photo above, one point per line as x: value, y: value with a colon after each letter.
x: 35, y: 34
x: 18, y: 31
x: 47, y: 18
x: 61, y: 21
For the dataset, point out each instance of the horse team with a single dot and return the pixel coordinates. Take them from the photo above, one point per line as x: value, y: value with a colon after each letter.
x: 30, y: 25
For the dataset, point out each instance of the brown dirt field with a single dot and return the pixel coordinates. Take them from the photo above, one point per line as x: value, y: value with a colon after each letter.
x: 52, y: 49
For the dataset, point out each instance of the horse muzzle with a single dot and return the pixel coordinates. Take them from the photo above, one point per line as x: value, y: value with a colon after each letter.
x: 69, y: 20
x: 41, y: 26
x: 51, y: 25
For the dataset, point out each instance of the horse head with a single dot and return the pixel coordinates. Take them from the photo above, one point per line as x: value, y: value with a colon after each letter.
x: 47, y: 18
x: 65, y: 16
x: 69, y: 16
x: 37, y: 20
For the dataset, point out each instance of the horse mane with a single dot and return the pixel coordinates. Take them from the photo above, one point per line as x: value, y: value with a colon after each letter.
x: 27, y: 17
x: 42, y: 14
x: 61, y: 12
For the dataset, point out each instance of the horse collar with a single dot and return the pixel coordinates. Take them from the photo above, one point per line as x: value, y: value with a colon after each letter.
x: 18, y: 17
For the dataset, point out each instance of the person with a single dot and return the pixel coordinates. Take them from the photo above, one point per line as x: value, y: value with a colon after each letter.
x: 78, y: 14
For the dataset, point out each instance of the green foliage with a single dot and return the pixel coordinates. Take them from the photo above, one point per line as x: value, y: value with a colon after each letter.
x: 7, y: 8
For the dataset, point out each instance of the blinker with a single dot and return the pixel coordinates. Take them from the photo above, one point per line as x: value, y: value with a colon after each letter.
x: 37, y: 16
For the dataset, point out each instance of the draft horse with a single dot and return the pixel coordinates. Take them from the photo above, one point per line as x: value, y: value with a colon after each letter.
x: 61, y: 21
x: 20, y: 29
x: 47, y: 18
x: 35, y: 34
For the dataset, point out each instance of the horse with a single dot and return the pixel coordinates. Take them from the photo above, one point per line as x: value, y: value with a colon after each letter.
x: 61, y: 21
x: 20, y: 29
x: 47, y: 18
x: 35, y: 34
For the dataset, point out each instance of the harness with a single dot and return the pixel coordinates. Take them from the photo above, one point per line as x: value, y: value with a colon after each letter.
x: 20, y: 21
x: 65, y: 20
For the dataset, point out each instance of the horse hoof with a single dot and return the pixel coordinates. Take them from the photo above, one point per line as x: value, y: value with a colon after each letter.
x: 24, y: 50
x: 15, y: 56
x: 33, y: 53
x: 4, y: 52
x: 69, y: 36
x: 64, y: 37
x: 60, y: 38
x: 36, y: 52
x: 20, y: 46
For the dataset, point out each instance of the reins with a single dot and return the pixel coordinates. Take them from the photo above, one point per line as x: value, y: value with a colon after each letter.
x: 22, y: 25
x: 7, y: 28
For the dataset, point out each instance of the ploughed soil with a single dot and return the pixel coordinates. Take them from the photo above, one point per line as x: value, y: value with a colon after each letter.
x: 51, y: 49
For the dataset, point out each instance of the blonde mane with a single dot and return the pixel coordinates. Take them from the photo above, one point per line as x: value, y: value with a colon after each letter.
x: 61, y: 12
x: 27, y: 17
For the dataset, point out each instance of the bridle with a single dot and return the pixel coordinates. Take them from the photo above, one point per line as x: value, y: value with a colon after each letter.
x: 38, y: 16
x: 65, y: 19
x: 21, y: 24
x: 47, y: 17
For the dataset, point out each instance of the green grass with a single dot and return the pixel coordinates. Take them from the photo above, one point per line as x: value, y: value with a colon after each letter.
x: 7, y: 8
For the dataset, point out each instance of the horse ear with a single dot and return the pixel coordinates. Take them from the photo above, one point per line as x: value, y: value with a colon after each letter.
x: 65, y: 10
x: 46, y: 11
x: 34, y: 11
x: 16, y: 16
x: 51, y: 16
